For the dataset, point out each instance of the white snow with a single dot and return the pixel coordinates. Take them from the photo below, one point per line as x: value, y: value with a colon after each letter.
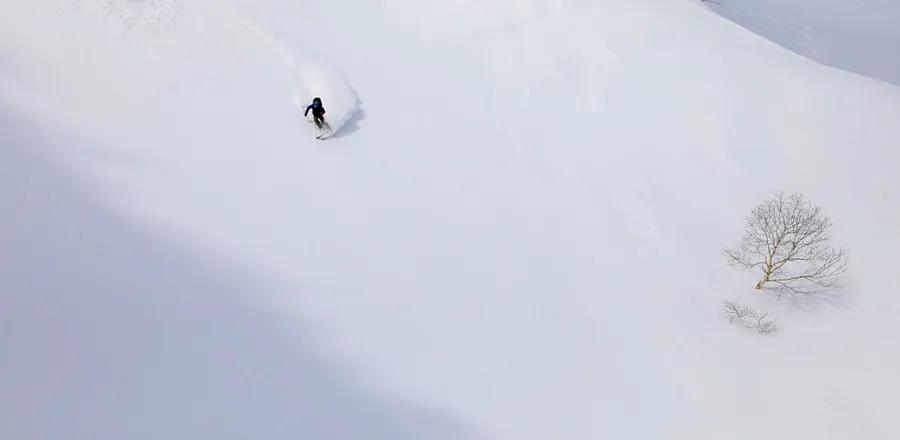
x: 516, y: 234
x: 858, y: 35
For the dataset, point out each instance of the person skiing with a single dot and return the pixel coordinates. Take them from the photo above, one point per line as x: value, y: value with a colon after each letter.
x: 318, y: 112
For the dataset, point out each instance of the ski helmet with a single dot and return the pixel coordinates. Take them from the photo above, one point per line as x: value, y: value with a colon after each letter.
x: 317, y: 100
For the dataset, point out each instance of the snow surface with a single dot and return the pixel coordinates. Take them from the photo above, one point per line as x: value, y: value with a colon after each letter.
x: 862, y: 36
x: 516, y: 234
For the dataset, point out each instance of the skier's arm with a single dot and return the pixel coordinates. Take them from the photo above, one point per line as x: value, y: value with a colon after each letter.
x: 308, y: 108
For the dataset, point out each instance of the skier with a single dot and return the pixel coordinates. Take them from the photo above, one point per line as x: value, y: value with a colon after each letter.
x: 318, y: 112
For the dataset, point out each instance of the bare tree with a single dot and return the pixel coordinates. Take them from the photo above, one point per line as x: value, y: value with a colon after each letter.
x: 737, y: 313
x: 786, y: 238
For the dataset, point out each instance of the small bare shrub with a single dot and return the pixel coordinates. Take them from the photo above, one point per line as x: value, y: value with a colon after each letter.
x: 746, y: 316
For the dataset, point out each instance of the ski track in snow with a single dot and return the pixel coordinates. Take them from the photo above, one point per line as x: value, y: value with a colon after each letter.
x: 315, y: 76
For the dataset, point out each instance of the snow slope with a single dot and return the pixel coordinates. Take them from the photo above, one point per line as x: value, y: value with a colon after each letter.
x: 858, y: 35
x: 516, y: 234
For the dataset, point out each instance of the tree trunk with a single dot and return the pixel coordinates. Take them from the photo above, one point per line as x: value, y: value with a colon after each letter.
x: 764, y: 280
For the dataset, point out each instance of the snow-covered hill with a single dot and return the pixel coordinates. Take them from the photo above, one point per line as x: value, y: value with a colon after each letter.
x: 516, y: 233
x: 858, y: 35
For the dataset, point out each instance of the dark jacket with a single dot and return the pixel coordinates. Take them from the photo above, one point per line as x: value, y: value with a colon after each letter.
x: 317, y: 110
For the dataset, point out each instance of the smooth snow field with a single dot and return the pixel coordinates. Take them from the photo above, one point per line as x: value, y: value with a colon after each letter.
x: 515, y: 233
